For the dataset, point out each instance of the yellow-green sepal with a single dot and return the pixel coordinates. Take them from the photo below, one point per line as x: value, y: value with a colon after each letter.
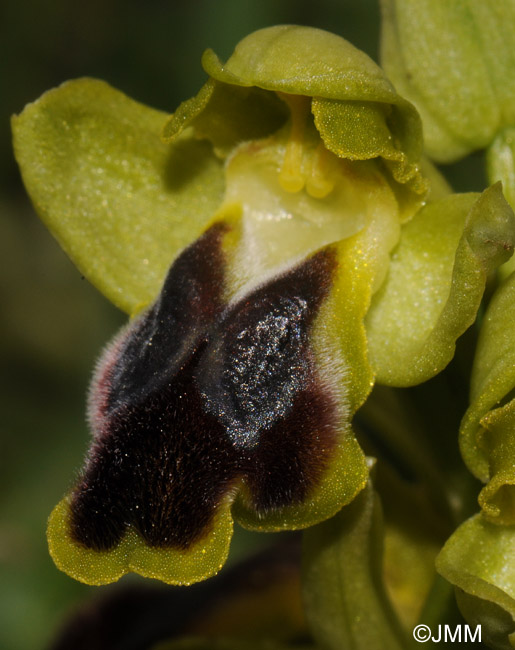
x: 302, y: 60
x: 120, y: 202
x: 479, y: 560
x: 435, y: 284
x: 173, y: 566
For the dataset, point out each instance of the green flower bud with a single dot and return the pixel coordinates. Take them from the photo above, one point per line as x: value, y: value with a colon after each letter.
x: 456, y: 62
x: 479, y: 560
x: 488, y: 427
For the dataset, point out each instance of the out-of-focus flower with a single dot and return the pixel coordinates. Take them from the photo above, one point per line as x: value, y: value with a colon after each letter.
x: 456, y: 62
x: 488, y: 428
x: 295, y: 172
x: 479, y: 558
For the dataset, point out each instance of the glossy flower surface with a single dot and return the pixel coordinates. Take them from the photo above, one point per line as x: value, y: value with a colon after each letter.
x: 288, y: 198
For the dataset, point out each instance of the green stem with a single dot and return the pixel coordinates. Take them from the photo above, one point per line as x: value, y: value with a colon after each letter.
x: 438, y: 604
x: 346, y: 603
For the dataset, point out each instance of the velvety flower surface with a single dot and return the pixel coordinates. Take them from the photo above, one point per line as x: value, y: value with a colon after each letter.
x: 287, y: 196
x: 196, y: 397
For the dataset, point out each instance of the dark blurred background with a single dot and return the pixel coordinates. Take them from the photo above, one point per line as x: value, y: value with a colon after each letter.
x: 53, y: 323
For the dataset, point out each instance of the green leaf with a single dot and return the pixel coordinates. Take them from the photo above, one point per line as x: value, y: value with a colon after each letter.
x: 346, y: 604
x: 120, y: 202
x: 479, y: 559
x: 435, y: 284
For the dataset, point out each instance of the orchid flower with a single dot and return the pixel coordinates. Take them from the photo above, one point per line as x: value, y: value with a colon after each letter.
x: 281, y: 245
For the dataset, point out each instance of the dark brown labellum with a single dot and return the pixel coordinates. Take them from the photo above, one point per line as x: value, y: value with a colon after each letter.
x: 195, y: 397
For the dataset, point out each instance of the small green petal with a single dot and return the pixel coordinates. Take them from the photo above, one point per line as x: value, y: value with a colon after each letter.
x: 435, y: 284
x: 479, y: 559
x: 178, y: 567
x: 227, y: 115
x: 120, y: 202
x: 362, y: 131
x: 493, y: 380
x: 455, y: 61
x: 346, y: 603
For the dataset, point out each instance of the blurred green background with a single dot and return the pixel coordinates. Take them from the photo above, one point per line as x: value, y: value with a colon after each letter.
x: 53, y: 323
